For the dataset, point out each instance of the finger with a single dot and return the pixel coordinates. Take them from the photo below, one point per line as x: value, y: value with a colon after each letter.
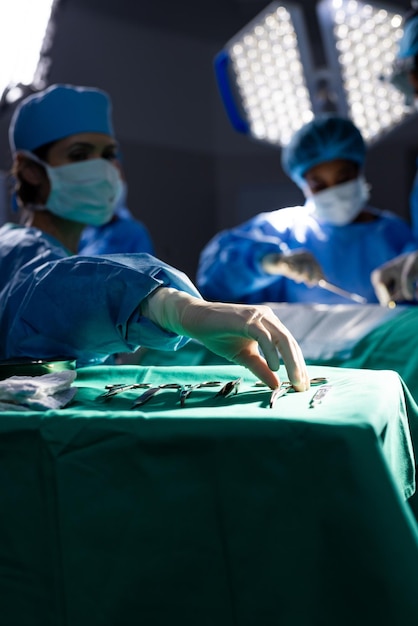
x: 295, y: 366
x: 258, y: 366
x: 293, y: 359
x: 271, y: 335
x: 407, y: 279
x: 382, y: 294
x: 380, y: 289
x: 257, y: 331
x: 276, y: 337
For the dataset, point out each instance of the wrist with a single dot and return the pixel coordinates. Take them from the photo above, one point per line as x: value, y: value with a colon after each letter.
x: 166, y: 307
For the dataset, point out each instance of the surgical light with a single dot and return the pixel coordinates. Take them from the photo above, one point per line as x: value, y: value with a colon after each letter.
x: 270, y: 87
x: 25, y: 30
x: 361, y: 41
x: 263, y: 75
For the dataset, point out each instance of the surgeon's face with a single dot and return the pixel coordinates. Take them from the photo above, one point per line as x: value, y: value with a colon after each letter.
x: 82, y: 147
x: 330, y: 173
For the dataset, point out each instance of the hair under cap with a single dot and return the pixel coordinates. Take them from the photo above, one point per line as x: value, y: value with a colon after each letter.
x: 323, y: 139
x: 58, y: 112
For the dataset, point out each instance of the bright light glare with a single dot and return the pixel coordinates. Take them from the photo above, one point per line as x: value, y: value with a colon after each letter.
x: 23, y: 24
x: 367, y: 39
x: 270, y: 76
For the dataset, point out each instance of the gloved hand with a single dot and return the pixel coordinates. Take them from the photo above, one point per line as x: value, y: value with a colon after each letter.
x: 298, y: 265
x: 233, y: 331
x: 395, y: 280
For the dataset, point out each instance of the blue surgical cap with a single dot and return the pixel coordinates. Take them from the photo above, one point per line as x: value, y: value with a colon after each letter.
x: 408, y: 45
x: 323, y: 139
x: 58, y: 112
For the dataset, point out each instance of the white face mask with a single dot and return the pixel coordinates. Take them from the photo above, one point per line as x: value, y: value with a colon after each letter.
x: 85, y: 192
x: 339, y: 205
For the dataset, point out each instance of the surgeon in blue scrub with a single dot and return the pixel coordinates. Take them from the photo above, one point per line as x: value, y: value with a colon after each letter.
x: 56, y: 303
x: 397, y: 280
x: 405, y: 78
x: 280, y: 256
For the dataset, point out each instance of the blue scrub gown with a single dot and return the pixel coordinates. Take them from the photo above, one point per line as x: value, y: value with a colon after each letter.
x: 230, y: 264
x: 123, y: 234
x: 85, y: 308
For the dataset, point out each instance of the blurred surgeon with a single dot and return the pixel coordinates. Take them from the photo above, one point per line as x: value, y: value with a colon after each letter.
x: 55, y: 303
x: 280, y: 256
x: 405, y: 78
x: 396, y: 280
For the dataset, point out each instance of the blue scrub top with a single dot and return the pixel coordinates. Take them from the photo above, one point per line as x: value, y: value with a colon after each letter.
x: 122, y: 234
x: 85, y: 308
x: 230, y: 264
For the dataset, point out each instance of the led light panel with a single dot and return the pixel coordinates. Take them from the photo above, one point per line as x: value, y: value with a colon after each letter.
x: 361, y: 41
x: 23, y: 27
x: 269, y: 63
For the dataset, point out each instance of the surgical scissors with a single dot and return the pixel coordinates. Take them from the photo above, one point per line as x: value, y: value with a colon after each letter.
x: 147, y: 395
x: 287, y: 386
x: 318, y: 396
x: 186, y: 390
x: 113, y: 390
x: 229, y: 388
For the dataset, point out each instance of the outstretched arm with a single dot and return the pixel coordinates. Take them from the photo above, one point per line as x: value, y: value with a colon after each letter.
x: 233, y: 331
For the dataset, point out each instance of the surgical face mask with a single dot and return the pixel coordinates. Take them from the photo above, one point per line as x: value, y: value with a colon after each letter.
x: 85, y: 192
x: 339, y: 205
x: 123, y: 196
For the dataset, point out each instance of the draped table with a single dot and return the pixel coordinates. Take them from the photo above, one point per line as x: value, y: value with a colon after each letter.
x: 224, y: 512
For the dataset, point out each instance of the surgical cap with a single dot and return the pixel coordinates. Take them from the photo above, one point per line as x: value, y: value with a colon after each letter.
x: 323, y: 139
x: 58, y: 112
x: 408, y: 45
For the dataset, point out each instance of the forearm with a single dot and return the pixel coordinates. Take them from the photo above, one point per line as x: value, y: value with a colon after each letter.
x: 233, y: 271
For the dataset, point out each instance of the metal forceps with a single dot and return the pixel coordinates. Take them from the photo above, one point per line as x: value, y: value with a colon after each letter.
x: 151, y: 391
x: 229, y: 388
x: 186, y: 390
x: 113, y: 390
x: 286, y: 386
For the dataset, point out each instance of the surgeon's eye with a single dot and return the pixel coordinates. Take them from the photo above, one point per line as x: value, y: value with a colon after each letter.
x: 110, y: 154
x: 317, y: 187
x: 79, y: 155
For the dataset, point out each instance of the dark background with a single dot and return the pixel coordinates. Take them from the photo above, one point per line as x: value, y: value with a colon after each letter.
x: 190, y: 174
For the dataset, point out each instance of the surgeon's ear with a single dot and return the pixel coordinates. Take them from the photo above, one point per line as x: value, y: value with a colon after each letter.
x: 29, y: 171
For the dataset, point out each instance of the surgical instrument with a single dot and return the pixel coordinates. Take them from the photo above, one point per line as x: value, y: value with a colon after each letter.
x: 186, y: 390
x: 147, y: 395
x: 113, y: 390
x: 318, y: 396
x: 286, y: 386
x: 324, y: 284
x: 229, y: 388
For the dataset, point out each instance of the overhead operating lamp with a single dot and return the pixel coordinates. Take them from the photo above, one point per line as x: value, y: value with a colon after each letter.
x: 270, y: 88
x: 361, y: 41
x: 263, y: 75
x: 25, y: 34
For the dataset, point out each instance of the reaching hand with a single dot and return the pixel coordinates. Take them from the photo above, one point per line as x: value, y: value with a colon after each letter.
x: 298, y: 265
x: 396, y: 279
x: 233, y: 331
